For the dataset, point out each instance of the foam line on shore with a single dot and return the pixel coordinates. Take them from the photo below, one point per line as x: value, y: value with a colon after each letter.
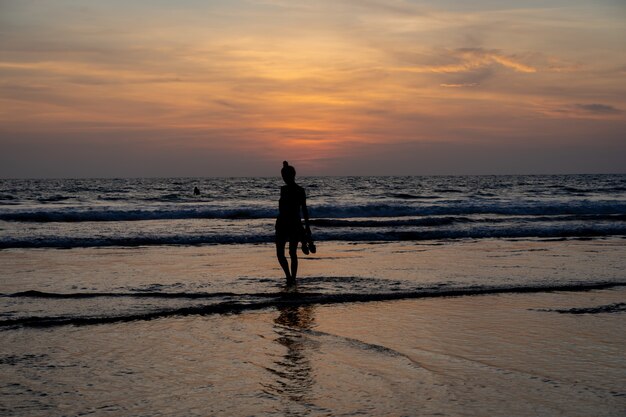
x: 286, y: 299
x: 609, y: 308
x: 417, y: 293
x: 142, y: 294
x: 486, y: 232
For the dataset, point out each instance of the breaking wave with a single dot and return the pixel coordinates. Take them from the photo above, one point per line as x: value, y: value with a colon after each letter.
x: 403, y: 209
x: 329, y: 234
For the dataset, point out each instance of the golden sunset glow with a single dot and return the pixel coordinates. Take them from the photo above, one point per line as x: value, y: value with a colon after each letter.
x: 334, y: 85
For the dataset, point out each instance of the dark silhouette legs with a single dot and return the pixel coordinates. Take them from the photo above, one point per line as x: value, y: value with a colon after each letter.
x: 293, y: 254
x: 282, y: 260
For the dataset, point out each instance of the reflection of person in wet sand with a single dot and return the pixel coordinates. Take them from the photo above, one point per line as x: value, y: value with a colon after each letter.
x: 293, y: 371
x: 288, y: 225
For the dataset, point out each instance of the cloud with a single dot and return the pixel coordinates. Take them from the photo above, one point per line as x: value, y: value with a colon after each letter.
x: 470, y: 59
x: 589, y: 111
x: 598, y: 108
x: 462, y: 85
x: 510, y: 63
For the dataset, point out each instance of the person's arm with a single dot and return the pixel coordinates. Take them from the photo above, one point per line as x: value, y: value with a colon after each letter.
x: 305, y: 212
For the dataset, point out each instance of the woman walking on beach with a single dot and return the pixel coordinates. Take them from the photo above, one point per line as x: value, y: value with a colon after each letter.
x: 288, y: 224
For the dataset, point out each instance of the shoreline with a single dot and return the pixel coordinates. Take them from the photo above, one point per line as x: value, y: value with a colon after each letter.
x: 495, y: 354
x: 508, y: 354
x: 287, y: 299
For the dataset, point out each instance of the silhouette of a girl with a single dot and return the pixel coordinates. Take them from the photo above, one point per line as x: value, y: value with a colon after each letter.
x: 288, y: 224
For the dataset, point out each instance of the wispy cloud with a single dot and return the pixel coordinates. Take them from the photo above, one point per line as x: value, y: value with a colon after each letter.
x: 597, y: 108
x: 471, y: 59
x: 462, y: 85
x: 590, y: 111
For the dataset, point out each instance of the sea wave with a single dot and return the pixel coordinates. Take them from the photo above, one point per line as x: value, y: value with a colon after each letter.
x: 607, y: 308
x: 449, y: 220
x: 422, y: 221
x: 330, y: 234
x: 78, y: 214
x: 236, y: 303
x: 407, y: 196
x: 390, y: 209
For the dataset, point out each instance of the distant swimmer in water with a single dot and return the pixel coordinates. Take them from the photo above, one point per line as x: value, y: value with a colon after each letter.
x: 196, y: 191
x: 289, y: 225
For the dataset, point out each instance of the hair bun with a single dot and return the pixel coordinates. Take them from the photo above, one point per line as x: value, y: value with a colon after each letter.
x: 285, y: 164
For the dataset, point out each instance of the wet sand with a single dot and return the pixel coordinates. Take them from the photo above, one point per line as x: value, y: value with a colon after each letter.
x: 547, y: 353
x: 497, y: 355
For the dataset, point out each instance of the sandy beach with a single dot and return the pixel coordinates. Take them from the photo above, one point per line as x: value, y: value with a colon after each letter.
x: 549, y: 353
x: 492, y: 355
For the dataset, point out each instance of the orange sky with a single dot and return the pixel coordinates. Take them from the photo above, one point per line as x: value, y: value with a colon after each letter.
x: 195, y: 88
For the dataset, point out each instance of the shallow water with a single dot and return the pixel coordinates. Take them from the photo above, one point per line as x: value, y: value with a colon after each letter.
x: 492, y: 355
x: 45, y: 286
x: 229, y: 339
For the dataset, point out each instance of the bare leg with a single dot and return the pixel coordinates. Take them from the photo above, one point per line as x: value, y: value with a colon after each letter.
x: 293, y: 254
x: 282, y: 260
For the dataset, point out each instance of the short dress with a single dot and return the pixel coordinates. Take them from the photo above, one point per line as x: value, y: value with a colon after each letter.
x: 289, y: 224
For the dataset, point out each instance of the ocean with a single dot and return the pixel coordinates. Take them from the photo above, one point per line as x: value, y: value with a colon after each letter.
x: 133, y: 212
x: 428, y: 295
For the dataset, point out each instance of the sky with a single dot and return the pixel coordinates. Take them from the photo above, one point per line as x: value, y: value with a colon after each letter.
x: 336, y: 87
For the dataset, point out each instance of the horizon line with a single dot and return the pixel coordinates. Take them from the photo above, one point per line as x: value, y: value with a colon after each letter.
x: 308, y: 176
